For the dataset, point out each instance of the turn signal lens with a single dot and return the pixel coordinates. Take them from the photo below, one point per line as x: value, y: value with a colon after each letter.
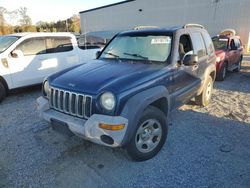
x: 111, y: 127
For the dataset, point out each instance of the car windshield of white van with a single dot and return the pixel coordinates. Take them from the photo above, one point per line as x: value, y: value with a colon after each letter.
x: 155, y: 48
x: 6, y: 42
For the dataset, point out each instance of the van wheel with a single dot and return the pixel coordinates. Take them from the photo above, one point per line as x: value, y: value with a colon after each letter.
x: 2, y: 92
x: 150, y: 135
x: 222, y: 73
x: 204, y: 98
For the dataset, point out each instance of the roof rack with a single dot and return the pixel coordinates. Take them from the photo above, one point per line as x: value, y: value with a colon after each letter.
x: 193, y: 25
x: 145, y: 27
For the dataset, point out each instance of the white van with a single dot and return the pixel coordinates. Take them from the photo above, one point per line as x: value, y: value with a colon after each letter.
x: 27, y: 58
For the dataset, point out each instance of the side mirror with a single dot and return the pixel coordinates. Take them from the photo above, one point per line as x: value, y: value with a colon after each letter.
x: 17, y: 53
x: 98, y: 53
x: 190, y: 60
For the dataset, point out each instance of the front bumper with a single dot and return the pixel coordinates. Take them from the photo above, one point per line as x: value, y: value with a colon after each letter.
x: 219, y: 66
x: 87, y: 129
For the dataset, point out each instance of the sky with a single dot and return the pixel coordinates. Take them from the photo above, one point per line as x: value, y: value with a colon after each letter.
x: 53, y: 10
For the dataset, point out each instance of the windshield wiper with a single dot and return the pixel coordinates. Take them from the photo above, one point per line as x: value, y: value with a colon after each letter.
x: 136, y: 55
x: 109, y: 53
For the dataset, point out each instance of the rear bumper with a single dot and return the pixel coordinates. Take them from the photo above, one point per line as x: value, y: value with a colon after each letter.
x: 87, y: 129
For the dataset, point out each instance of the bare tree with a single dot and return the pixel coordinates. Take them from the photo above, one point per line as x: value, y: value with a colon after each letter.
x: 2, y: 19
x: 25, y: 20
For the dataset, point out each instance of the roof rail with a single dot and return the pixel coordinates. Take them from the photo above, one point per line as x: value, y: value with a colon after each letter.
x: 144, y: 27
x: 193, y: 25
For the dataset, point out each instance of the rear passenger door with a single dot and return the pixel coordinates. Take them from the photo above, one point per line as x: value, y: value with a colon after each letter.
x: 232, y: 54
x: 61, y: 48
x: 209, y: 48
x: 200, y: 50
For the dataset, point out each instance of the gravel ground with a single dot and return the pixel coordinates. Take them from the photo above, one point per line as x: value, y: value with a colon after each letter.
x: 206, y: 147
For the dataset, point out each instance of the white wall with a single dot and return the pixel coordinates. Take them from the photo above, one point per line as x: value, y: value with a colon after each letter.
x: 215, y: 15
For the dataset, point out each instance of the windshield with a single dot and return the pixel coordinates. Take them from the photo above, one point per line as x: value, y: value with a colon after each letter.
x: 149, y: 48
x: 220, y: 43
x: 6, y: 41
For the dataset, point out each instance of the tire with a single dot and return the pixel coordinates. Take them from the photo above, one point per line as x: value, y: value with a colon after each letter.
x: 204, y: 98
x: 2, y: 92
x: 222, y: 73
x: 149, y: 136
x: 238, y: 66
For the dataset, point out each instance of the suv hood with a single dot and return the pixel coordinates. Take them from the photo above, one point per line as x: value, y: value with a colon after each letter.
x: 105, y: 75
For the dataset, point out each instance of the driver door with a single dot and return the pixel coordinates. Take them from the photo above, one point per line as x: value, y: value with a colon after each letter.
x: 186, y: 78
x: 29, y: 64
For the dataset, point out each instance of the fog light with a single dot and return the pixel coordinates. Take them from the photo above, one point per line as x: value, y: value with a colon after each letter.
x: 112, y: 127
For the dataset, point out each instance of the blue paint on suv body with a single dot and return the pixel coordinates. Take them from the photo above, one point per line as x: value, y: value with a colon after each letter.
x: 123, y: 78
x: 140, y: 76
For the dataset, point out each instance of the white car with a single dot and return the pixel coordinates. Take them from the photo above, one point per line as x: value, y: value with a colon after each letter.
x: 27, y: 58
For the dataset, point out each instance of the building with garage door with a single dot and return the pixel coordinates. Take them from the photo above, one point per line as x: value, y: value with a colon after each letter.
x: 215, y: 15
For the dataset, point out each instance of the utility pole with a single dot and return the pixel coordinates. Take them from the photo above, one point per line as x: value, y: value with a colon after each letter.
x: 67, y: 29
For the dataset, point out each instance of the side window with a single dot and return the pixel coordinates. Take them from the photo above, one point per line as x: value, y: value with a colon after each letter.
x: 198, y: 44
x: 59, y: 44
x: 91, y: 42
x: 208, y: 43
x: 185, y: 45
x: 32, y: 46
x: 232, y: 44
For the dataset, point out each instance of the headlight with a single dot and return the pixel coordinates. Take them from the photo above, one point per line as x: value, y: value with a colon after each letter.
x: 107, y: 101
x: 46, y: 88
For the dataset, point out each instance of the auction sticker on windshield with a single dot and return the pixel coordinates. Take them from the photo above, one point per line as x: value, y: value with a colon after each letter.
x: 165, y: 40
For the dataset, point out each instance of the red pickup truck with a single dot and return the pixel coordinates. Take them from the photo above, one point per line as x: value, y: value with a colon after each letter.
x: 229, y: 52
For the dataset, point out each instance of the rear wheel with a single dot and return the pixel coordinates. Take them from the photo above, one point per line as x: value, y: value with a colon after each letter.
x: 237, y: 69
x: 222, y: 73
x: 2, y: 92
x: 150, y: 135
x: 204, y: 98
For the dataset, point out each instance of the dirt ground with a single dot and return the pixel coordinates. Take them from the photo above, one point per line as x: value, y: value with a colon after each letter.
x: 231, y: 98
x: 206, y: 147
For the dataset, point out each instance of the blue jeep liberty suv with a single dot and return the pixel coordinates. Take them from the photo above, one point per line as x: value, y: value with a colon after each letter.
x: 123, y: 98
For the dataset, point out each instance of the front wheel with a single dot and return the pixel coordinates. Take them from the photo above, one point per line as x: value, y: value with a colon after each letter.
x: 150, y: 135
x: 204, y: 98
x: 2, y: 92
x: 222, y: 73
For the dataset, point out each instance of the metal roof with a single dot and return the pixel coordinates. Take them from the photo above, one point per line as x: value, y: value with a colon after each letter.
x: 106, y: 6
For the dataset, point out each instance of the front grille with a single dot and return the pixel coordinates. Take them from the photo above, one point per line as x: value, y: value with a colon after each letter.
x: 75, y: 104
